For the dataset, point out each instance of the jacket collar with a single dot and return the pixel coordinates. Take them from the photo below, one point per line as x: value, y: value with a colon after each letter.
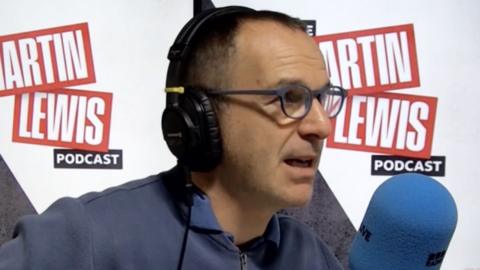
x: 203, y: 218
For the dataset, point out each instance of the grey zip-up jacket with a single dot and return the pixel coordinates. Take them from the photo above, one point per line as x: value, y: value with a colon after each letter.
x: 141, y: 225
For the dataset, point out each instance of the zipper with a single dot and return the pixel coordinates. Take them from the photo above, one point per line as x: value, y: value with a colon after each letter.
x: 243, y: 261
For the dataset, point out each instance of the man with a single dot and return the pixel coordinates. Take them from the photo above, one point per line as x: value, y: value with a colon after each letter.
x: 257, y: 68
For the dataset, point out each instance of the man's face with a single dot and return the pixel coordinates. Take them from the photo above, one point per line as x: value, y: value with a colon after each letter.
x: 270, y: 160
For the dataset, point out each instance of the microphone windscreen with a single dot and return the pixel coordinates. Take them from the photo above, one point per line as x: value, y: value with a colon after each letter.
x: 408, y: 225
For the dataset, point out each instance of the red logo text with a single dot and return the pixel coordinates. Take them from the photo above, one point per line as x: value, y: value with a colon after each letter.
x: 395, y: 124
x: 45, y: 59
x: 68, y: 118
x: 374, y: 60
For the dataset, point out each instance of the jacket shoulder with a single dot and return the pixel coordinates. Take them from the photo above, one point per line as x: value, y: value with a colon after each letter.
x: 306, y: 242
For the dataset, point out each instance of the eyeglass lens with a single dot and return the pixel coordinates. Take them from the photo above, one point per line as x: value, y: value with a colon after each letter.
x: 332, y: 100
x: 297, y: 100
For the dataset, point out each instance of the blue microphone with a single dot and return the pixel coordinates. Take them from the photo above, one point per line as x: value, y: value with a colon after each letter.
x: 408, y: 225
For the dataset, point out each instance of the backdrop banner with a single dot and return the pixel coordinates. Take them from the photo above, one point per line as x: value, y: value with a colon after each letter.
x: 82, y: 93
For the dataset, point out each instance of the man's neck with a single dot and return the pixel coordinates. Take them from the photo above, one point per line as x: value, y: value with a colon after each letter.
x: 240, y: 217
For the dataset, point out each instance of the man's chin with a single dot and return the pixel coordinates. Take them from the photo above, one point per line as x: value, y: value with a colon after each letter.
x: 299, y: 203
x: 298, y: 199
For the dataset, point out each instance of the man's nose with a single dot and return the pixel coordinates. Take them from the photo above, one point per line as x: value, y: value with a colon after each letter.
x: 316, y: 123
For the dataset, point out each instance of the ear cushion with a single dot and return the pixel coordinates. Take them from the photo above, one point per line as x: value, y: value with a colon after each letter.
x: 192, y: 132
x: 210, y: 148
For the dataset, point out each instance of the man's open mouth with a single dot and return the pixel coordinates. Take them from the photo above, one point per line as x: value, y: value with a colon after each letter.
x: 299, y: 162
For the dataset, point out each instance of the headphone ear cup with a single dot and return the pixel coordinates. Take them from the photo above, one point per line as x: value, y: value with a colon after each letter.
x: 191, y: 131
x: 210, y: 135
x: 178, y: 131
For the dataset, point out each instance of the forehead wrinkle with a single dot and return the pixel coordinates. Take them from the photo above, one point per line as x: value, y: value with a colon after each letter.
x: 288, y: 56
x: 284, y: 67
x: 301, y: 61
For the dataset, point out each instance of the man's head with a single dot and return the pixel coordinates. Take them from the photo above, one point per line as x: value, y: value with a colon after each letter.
x: 213, y: 47
x: 269, y: 160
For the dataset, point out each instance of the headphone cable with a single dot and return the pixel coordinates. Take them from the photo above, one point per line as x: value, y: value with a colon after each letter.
x: 189, y: 202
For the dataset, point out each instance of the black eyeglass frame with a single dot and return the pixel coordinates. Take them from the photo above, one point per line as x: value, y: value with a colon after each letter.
x: 281, y: 91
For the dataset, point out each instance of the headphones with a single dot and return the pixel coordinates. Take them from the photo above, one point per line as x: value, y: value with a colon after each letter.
x: 189, y: 122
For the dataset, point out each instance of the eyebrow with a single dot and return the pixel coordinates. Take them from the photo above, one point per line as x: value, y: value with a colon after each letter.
x: 285, y: 82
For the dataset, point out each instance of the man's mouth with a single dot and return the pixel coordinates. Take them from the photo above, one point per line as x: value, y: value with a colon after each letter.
x: 300, y: 162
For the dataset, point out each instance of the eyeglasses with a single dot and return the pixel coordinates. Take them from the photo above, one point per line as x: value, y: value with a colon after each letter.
x: 296, y: 100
